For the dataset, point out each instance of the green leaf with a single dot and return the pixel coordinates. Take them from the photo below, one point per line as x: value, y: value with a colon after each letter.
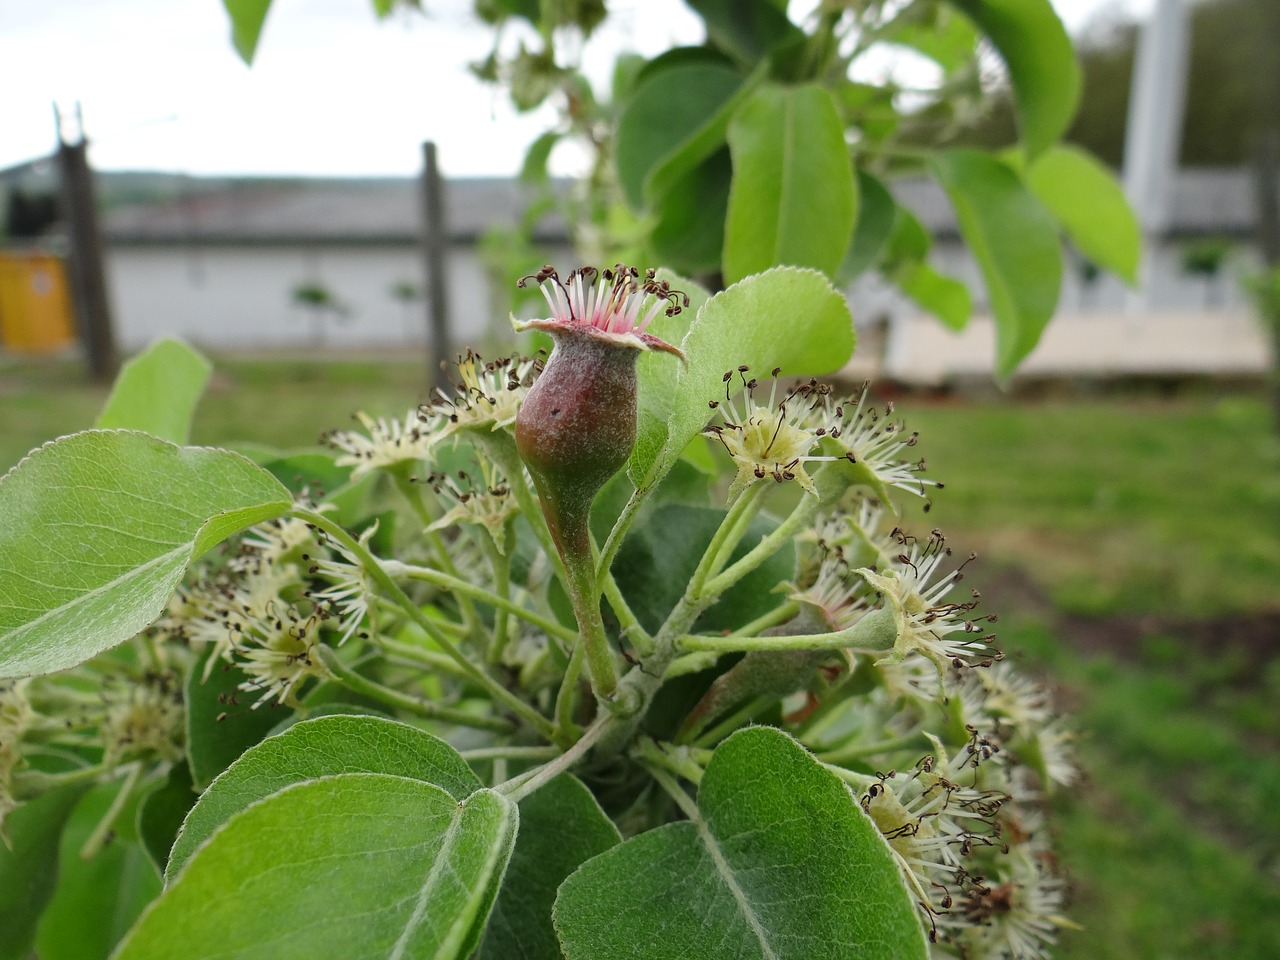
x: 320, y: 748
x: 657, y: 372
x: 748, y: 29
x: 359, y: 865
x: 655, y: 563
x: 938, y: 32
x: 561, y: 827
x: 1084, y: 197
x: 780, y: 864
x: 534, y: 169
x: 876, y: 212
x: 1015, y: 243
x: 668, y: 108
x: 99, y: 528
x: 688, y: 233
x: 97, y: 899
x: 247, y: 17
x: 944, y: 297
x: 695, y: 151
x: 794, y: 199
x: 29, y: 864
x: 161, y: 812
x: 157, y: 392
x: 298, y: 471
x: 219, y: 726
x: 1042, y: 65
x: 785, y: 317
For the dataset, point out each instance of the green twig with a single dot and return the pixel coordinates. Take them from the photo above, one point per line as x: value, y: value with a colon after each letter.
x: 32, y: 783
x: 500, y: 563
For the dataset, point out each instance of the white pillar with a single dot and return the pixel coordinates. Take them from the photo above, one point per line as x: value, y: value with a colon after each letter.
x: 1157, y: 97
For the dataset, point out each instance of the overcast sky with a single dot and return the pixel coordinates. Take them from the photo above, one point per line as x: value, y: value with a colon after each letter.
x: 332, y: 91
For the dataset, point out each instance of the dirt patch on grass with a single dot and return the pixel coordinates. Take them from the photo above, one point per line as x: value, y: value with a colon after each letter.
x: 1256, y: 635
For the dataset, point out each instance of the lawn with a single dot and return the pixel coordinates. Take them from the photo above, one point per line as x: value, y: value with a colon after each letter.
x: 1131, y: 544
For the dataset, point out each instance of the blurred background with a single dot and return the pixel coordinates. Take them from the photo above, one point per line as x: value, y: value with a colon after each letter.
x: 331, y: 222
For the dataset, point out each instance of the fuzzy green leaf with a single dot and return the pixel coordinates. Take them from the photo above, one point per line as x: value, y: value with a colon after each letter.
x: 794, y: 200
x: 1084, y: 197
x: 785, y: 317
x: 1042, y: 65
x: 320, y: 748
x: 657, y: 371
x: 1015, y: 242
x: 247, y: 18
x: 358, y: 866
x: 157, y: 392
x: 780, y: 864
x: 99, y: 528
x: 220, y: 727
x: 561, y: 827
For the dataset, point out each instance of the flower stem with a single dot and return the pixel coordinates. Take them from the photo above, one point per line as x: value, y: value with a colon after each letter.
x: 375, y: 570
x: 413, y: 494
x: 32, y: 783
x: 519, y: 788
x: 359, y: 683
x: 620, y: 527
x: 501, y: 449
x: 767, y: 547
x: 856, y: 751
x: 419, y: 656
x: 565, y: 698
x: 102, y: 832
x: 726, y: 537
x: 510, y: 753
x: 873, y: 632
x: 674, y: 790
x: 500, y: 563
x: 454, y: 584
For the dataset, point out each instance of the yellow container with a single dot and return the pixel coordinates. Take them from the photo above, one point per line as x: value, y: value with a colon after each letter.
x: 35, y: 303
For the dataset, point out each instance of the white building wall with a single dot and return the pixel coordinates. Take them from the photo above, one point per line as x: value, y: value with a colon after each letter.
x: 1180, y: 324
x: 241, y: 298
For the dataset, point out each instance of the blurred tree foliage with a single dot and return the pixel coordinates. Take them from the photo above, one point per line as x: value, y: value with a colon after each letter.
x: 1233, y: 85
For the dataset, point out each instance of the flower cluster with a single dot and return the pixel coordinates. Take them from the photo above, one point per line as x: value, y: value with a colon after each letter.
x: 486, y: 590
x: 966, y: 747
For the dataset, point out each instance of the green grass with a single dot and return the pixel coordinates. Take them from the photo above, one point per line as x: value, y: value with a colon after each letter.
x: 1123, y: 509
x: 1172, y: 839
x: 279, y: 402
x: 1118, y: 505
